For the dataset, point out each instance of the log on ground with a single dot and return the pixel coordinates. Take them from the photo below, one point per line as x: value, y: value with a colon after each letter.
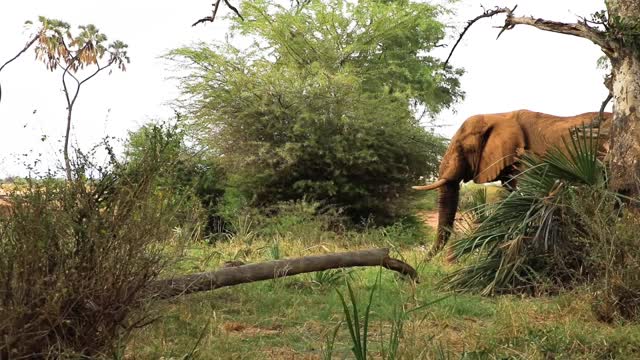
x: 206, y: 281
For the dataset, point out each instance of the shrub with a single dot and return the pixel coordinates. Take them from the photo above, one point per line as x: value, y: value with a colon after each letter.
x: 325, y: 104
x: 189, y: 175
x: 612, y: 239
x: 77, y: 257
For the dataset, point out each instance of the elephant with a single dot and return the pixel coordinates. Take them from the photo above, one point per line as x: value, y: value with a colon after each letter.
x: 486, y: 148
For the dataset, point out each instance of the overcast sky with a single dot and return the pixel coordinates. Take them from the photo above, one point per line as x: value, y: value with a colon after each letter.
x: 524, y: 69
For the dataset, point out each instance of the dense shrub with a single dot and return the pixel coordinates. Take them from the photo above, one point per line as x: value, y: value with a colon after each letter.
x: 194, y: 177
x: 77, y: 257
x: 325, y: 105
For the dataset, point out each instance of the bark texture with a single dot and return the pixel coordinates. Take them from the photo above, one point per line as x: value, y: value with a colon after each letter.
x: 625, y: 139
x: 169, y: 288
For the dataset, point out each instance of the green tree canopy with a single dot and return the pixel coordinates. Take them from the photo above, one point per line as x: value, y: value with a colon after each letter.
x: 324, y: 101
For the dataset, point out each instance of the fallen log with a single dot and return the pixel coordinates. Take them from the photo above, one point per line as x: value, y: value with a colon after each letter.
x: 230, y: 276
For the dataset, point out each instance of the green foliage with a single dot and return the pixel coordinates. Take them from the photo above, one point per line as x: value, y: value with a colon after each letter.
x: 330, y: 277
x: 188, y: 174
x: 624, y: 30
x: 472, y: 197
x: 323, y: 104
x: 352, y: 320
x: 57, y: 46
x: 611, y: 238
x: 77, y: 257
x: 384, y: 43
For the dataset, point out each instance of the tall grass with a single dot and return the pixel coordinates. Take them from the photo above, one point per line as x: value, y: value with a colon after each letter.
x: 358, y: 332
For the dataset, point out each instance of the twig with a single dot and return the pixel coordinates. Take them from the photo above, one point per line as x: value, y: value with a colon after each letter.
x: 209, y: 18
x: 215, y: 11
x: 598, y: 120
x: 233, y: 9
x: 486, y: 14
x: 35, y: 38
x: 26, y: 47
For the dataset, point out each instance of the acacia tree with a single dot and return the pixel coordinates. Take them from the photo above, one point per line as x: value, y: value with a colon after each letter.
x: 57, y: 47
x: 617, y: 32
x: 324, y: 103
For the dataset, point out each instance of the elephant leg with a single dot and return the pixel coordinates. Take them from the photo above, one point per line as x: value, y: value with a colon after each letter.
x: 447, y: 208
x: 508, y: 177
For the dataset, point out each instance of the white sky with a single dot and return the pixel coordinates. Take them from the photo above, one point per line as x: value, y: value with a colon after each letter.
x: 524, y: 69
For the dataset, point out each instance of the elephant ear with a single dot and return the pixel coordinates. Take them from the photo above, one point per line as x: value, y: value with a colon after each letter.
x: 504, y: 141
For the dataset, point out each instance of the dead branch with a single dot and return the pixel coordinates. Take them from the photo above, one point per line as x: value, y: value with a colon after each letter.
x: 486, y: 14
x: 230, y: 276
x: 580, y: 28
x: 215, y: 11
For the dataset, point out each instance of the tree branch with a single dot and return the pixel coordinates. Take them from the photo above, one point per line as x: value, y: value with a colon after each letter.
x: 26, y: 47
x: 486, y: 14
x: 233, y: 9
x: 579, y: 29
x: 35, y: 38
x: 209, y: 18
x: 230, y: 276
x: 215, y: 11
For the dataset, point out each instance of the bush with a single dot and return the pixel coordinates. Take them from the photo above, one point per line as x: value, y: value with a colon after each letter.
x: 189, y: 175
x: 612, y: 239
x: 77, y: 257
x: 333, y: 119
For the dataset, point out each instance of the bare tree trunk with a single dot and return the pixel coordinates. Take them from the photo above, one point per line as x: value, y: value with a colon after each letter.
x: 625, y: 139
x: 169, y: 288
x: 65, y: 150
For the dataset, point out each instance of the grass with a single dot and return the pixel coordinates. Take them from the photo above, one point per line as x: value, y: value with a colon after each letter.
x: 296, y: 317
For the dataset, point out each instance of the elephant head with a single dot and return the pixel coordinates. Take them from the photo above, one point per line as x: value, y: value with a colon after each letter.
x: 486, y: 149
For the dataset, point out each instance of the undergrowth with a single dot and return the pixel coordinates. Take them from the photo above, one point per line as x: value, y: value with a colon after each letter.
x: 77, y: 257
x: 303, y: 317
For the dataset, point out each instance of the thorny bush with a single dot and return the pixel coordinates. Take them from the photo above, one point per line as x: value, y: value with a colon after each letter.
x: 77, y: 257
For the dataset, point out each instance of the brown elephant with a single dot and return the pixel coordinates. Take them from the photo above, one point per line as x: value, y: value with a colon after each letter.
x: 486, y: 149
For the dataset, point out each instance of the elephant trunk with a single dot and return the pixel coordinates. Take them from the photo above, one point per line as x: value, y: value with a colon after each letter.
x: 447, y: 207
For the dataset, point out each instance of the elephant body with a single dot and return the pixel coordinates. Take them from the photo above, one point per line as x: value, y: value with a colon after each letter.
x: 486, y: 149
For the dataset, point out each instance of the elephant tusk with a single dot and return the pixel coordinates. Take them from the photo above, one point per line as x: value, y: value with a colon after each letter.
x: 435, y: 185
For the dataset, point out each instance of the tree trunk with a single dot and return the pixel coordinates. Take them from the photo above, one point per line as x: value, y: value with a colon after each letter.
x: 625, y: 139
x: 169, y: 288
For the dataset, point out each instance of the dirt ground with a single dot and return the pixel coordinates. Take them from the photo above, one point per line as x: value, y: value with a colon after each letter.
x: 430, y: 218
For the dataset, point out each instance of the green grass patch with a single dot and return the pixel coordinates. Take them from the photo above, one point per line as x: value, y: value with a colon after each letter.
x: 292, y: 318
